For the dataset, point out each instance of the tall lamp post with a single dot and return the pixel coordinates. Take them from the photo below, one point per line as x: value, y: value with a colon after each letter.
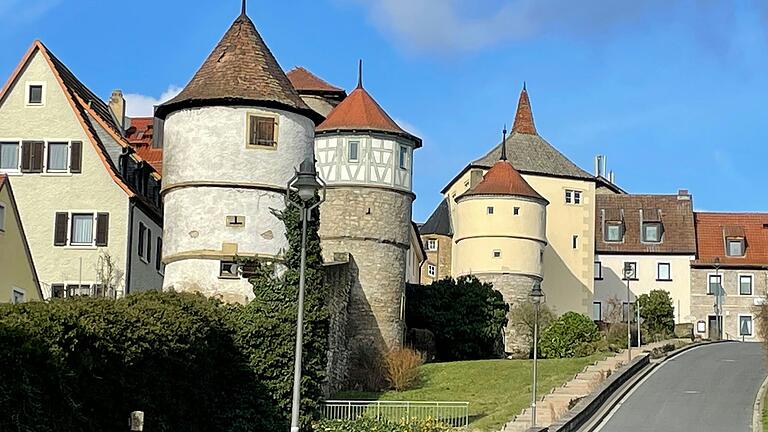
x: 629, y: 273
x: 718, y: 305
x: 305, y: 184
x: 537, y: 297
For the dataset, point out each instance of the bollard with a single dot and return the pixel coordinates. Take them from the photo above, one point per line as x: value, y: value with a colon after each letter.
x: 136, y: 421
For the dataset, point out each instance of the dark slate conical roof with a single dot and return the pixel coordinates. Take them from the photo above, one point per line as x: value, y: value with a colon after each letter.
x: 241, y: 70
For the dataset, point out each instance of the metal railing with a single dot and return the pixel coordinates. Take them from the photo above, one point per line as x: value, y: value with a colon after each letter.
x: 455, y: 414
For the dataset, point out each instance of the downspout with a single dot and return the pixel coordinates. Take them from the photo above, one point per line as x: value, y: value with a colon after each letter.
x: 131, y: 207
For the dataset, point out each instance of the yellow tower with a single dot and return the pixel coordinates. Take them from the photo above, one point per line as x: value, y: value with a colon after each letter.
x: 500, y: 236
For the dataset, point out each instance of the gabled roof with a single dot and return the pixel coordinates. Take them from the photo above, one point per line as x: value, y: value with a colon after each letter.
x: 6, y: 183
x: 503, y: 179
x: 439, y: 222
x: 240, y: 70
x: 304, y: 80
x: 675, y: 212
x: 140, y: 134
x: 712, y: 229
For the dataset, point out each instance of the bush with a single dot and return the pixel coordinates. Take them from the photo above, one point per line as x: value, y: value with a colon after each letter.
x: 367, y: 371
x: 403, y: 368
x: 367, y: 424
x: 565, y: 336
x: 523, y: 317
x: 657, y: 312
x: 465, y: 315
x: 423, y: 341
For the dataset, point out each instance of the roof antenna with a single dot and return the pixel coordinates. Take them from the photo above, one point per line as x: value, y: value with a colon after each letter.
x: 243, y: 10
x: 360, y: 74
x: 504, y: 144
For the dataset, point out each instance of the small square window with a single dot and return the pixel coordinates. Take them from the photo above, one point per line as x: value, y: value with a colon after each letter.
x: 431, y: 270
x: 58, y: 156
x: 745, y: 325
x: 652, y: 232
x: 354, y: 148
x: 497, y: 253
x: 598, y: 270
x: 229, y: 270
x: 745, y: 284
x: 262, y: 131
x: 9, y: 156
x: 431, y: 245
x: 735, y: 247
x: 613, y: 232
x: 35, y: 94
x: 572, y: 196
x: 490, y: 210
x: 18, y: 296
x: 403, y: 157
x: 664, y: 272
x: 516, y: 211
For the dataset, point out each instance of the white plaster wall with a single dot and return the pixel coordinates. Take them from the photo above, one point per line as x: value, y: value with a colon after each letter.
x: 378, y: 161
x: 200, y: 275
x: 195, y: 220
x: 144, y: 274
x: 209, y: 144
x: 612, y: 284
x: 40, y: 196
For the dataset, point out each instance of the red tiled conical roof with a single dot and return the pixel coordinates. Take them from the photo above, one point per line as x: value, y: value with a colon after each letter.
x: 303, y: 79
x: 524, y: 116
x: 240, y: 70
x: 503, y: 179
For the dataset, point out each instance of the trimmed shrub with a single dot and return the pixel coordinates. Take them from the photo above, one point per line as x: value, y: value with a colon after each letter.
x: 403, y: 368
x: 465, y: 315
x: 657, y: 312
x: 566, y: 335
x: 367, y: 424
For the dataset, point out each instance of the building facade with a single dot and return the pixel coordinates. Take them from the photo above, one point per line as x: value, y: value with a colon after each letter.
x: 89, y: 199
x: 732, y: 259
x: 19, y: 281
x: 656, y: 237
x: 437, y: 237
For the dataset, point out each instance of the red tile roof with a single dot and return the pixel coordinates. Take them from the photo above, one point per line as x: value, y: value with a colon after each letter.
x: 303, y: 79
x: 712, y: 228
x: 140, y: 135
x: 524, y: 116
x: 503, y: 179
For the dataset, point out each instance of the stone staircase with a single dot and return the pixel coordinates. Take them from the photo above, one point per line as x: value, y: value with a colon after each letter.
x: 553, y: 405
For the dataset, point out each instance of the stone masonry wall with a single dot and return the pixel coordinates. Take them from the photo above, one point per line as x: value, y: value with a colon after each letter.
x: 373, y: 226
x: 338, y: 282
x: 515, y: 290
x: 441, y: 258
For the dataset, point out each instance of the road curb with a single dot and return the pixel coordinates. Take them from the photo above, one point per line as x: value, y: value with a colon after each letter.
x: 757, y: 410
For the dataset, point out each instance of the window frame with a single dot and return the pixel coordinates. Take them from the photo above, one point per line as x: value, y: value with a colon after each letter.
x: 709, y: 282
x: 658, y: 271
x: 573, y: 196
x: 431, y: 270
x: 751, y: 278
x: 159, y: 265
x: 356, y: 159
x: 16, y: 290
x: 141, y: 246
x: 47, y: 156
x: 599, y: 305
x: 598, y: 269
x: 575, y: 242
x: 403, y: 157
x: 28, y: 92
x: 249, y: 132
x: 751, y: 324
x: 608, y: 225
x: 17, y: 170
x: 659, y: 231
x: 496, y: 254
x: 489, y: 210
x: 431, y: 242
x: 515, y: 211
x: 742, y: 241
x: 222, y: 262
x: 71, y: 227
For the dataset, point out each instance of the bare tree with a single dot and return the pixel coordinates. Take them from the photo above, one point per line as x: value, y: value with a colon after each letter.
x: 110, y: 277
x: 615, y: 311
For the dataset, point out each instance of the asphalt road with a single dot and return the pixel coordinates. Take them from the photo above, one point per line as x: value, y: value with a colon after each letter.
x: 707, y: 389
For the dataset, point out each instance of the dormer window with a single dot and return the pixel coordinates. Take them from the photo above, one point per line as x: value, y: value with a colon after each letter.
x: 262, y: 131
x: 735, y: 247
x: 614, y: 231
x: 652, y: 232
x: 35, y: 94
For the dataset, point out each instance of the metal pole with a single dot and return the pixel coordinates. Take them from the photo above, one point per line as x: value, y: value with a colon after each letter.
x: 637, y: 306
x: 629, y: 325
x: 535, y: 360
x: 299, y: 325
x: 718, y: 313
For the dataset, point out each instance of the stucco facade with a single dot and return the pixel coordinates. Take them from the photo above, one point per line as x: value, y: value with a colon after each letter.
x: 40, y: 196
x: 18, y: 280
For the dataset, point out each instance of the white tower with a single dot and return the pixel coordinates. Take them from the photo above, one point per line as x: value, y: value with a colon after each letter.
x: 367, y: 161
x: 231, y: 139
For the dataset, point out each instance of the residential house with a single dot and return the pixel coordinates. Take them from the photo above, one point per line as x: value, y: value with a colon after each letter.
x: 18, y: 277
x: 437, y: 236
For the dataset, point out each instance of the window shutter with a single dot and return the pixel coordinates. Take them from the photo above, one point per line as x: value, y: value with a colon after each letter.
x: 159, y: 254
x: 149, y: 245
x: 37, y: 150
x: 102, y: 229
x: 266, y: 131
x: 76, y: 157
x: 254, y: 131
x: 60, y: 230
x: 26, y: 156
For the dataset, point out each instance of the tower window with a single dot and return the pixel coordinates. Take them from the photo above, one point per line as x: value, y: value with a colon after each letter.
x: 572, y: 196
x: 575, y: 241
x: 490, y: 210
x: 516, y: 211
x: 354, y: 149
x: 431, y: 270
x: 497, y: 253
x: 262, y: 131
x: 431, y: 245
x: 229, y: 270
x: 403, y: 157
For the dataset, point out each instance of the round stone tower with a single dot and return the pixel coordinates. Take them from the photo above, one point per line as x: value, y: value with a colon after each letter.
x: 500, y: 235
x: 366, y: 160
x: 232, y: 139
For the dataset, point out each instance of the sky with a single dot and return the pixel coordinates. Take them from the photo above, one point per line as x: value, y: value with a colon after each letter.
x: 673, y: 92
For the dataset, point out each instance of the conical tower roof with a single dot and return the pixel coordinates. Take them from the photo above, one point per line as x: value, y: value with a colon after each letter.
x: 360, y: 112
x: 524, y: 115
x: 241, y: 70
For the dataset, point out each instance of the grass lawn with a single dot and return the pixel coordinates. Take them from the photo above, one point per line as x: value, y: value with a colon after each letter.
x: 496, y: 390
x: 765, y: 411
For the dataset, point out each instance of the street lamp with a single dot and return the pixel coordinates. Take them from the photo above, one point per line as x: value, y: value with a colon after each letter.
x: 718, y: 305
x: 537, y: 297
x: 629, y: 272
x: 305, y: 184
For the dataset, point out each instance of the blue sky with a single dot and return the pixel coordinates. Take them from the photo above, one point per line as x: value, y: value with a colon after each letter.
x: 673, y: 92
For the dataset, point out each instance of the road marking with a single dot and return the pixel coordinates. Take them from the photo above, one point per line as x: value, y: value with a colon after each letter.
x: 729, y: 360
x: 691, y: 392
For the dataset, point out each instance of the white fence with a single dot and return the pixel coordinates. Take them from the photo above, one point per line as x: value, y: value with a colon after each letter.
x: 455, y: 414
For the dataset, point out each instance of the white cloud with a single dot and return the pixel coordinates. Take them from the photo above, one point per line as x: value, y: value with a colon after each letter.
x: 139, y: 105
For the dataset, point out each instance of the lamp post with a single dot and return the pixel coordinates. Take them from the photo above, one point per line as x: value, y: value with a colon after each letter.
x: 718, y: 305
x: 305, y: 184
x: 628, y: 274
x: 537, y: 297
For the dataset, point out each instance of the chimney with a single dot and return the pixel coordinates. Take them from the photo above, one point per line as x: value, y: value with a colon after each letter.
x: 683, y: 194
x: 612, y: 177
x: 599, y: 165
x: 117, y: 106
